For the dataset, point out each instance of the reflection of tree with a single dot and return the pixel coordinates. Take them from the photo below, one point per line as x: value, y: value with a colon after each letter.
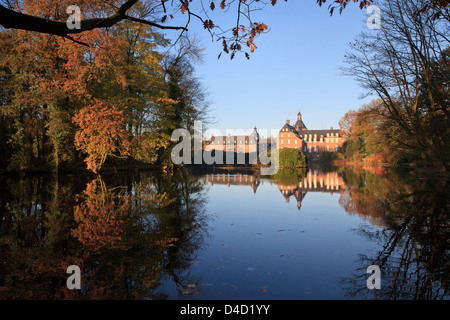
x: 100, y: 216
x: 414, y: 255
x: 160, y: 236
x: 183, y: 219
x: 288, y: 176
x: 35, y: 242
x: 126, y: 241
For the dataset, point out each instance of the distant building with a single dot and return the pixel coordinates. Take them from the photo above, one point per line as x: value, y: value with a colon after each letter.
x: 311, y: 142
x: 245, y: 143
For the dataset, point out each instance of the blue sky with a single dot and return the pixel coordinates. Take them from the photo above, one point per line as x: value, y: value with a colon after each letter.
x: 295, y: 68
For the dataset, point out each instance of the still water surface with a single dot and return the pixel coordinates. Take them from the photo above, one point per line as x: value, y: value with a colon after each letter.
x: 226, y: 235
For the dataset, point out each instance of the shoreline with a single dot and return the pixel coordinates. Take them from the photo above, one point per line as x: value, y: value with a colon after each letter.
x: 112, y: 169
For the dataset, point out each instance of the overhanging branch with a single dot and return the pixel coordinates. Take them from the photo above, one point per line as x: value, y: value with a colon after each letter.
x: 11, y: 19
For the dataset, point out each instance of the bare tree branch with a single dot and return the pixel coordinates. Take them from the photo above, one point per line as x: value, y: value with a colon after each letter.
x: 12, y: 19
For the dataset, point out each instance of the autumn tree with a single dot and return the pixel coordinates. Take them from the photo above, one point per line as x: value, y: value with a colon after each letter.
x: 45, y: 80
x: 371, y: 135
x: 347, y: 124
x: 101, y: 134
x: 405, y: 64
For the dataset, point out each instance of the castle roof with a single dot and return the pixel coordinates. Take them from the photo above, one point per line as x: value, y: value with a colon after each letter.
x: 299, y: 125
x: 301, y: 130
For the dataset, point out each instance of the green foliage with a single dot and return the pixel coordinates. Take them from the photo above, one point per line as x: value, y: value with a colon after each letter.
x: 327, y: 157
x: 289, y: 177
x: 289, y: 157
x: 351, y: 148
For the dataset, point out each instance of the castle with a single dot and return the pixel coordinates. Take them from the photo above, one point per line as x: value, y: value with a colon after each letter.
x: 245, y: 143
x: 311, y: 142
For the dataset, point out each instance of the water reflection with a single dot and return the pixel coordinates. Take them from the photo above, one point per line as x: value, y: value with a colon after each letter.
x: 414, y: 242
x: 233, y: 179
x: 412, y: 216
x: 127, y: 235
x: 290, y: 182
x: 141, y: 236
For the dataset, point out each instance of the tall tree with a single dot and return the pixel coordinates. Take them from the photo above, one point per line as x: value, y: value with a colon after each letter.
x: 405, y: 64
x: 101, y: 134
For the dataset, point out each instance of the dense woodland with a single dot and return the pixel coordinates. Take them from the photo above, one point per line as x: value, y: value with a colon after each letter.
x: 119, y: 97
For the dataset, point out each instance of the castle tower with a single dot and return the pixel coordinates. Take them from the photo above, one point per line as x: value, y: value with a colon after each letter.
x: 299, y: 125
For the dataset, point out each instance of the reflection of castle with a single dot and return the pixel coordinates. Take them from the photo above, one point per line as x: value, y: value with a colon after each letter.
x: 314, y: 181
x: 233, y: 179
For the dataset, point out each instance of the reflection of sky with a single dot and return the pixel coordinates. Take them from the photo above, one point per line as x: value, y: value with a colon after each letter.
x: 264, y: 248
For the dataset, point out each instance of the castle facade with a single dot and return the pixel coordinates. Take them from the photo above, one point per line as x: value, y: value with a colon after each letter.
x: 311, y: 142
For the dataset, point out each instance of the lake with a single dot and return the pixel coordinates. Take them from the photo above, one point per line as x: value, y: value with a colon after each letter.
x: 226, y: 234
